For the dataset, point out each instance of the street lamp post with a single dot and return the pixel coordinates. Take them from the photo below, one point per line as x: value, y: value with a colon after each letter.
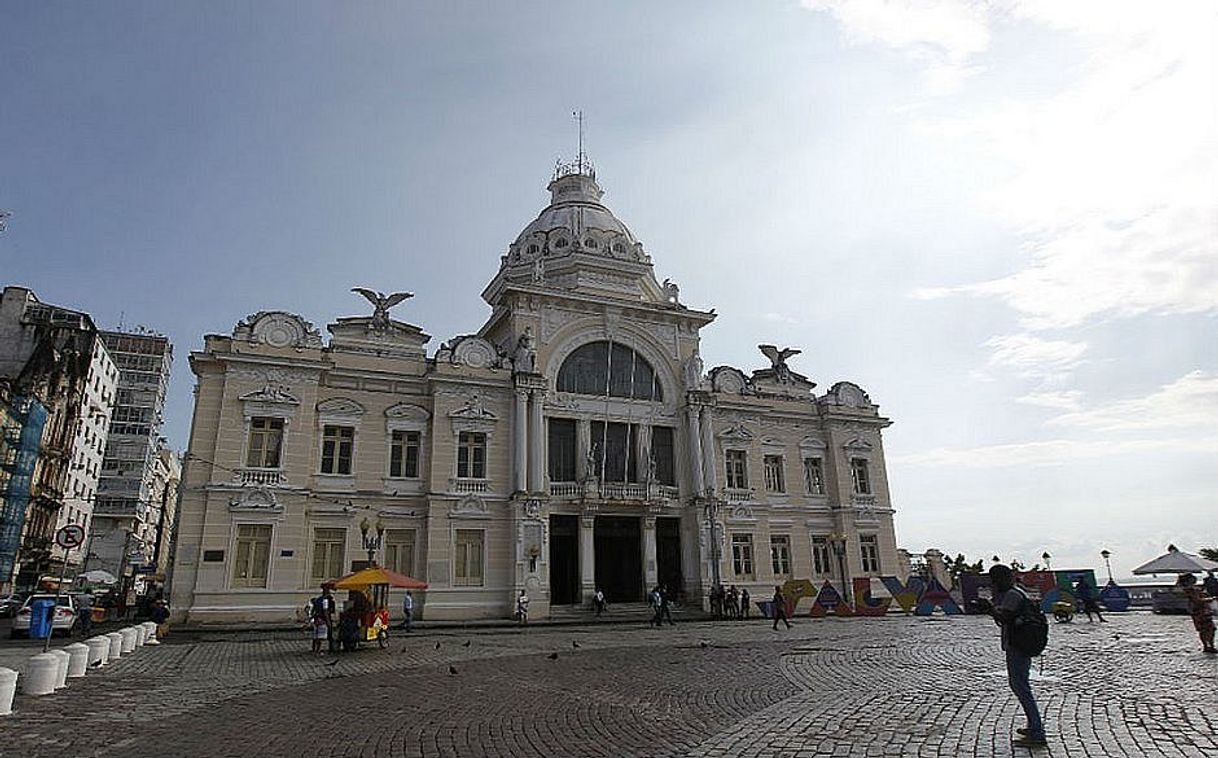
x: 1045, y: 557
x: 838, y: 541
x: 1106, y: 555
x: 712, y: 516
x: 372, y: 542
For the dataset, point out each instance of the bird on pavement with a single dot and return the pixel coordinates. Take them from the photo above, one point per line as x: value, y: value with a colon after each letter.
x: 437, y: 646
x: 465, y: 644
x: 574, y: 643
x: 96, y: 664
x: 553, y: 656
x: 702, y: 644
x: 452, y: 670
x: 333, y: 662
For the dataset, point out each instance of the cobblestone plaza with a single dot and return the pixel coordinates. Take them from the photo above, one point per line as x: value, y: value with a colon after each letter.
x: 1137, y: 686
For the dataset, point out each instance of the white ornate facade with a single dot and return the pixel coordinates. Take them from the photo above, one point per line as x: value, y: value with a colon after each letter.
x: 574, y: 441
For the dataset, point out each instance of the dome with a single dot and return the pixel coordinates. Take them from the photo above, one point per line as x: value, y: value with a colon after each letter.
x: 576, y: 221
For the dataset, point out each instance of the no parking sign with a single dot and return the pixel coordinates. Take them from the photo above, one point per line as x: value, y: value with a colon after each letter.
x: 70, y: 536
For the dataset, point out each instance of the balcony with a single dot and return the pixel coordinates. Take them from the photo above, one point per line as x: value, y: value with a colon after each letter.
x: 566, y: 489
x: 738, y: 495
x: 462, y: 485
x: 261, y: 477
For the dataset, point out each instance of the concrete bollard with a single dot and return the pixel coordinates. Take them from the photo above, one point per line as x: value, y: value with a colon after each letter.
x: 8, y: 688
x: 141, y: 635
x: 99, y: 650
x: 116, y: 645
x: 152, y: 640
x: 128, y: 636
x: 61, y: 672
x: 78, y: 660
x: 40, y: 675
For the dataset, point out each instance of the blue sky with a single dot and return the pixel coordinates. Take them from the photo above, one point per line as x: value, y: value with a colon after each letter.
x: 998, y: 218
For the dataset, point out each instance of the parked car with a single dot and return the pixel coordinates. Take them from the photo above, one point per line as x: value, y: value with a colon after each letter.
x: 63, y: 623
x: 9, y: 604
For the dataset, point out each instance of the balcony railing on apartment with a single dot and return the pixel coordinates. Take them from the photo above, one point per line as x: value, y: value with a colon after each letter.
x: 614, y: 491
x: 463, y: 485
x: 260, y: 477
x: 738, y: 495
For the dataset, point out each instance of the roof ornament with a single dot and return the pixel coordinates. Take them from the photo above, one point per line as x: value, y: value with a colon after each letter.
x: 381, y: 305
x: 581, y: 166
x: 778, y: 361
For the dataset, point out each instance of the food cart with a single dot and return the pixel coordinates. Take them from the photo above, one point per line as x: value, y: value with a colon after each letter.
x: 368, y: 616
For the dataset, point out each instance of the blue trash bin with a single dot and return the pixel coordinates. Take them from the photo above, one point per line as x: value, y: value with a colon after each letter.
x: 41, y: 614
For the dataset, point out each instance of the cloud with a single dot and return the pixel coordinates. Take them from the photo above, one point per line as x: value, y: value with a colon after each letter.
x: 1067, y: 400
x: 1033, y: 357
x: 779, y: 318
x: 1059, y: 452
x: 1190, y: 402
x: 941, y: 34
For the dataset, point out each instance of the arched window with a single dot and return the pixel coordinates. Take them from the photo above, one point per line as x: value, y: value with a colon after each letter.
x: 598, y: 368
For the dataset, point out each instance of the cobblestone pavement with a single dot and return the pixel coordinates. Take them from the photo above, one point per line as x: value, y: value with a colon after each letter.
x: 1137, y: 686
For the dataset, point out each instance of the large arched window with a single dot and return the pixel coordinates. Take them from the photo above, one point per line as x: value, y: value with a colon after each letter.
x: 600, y: 368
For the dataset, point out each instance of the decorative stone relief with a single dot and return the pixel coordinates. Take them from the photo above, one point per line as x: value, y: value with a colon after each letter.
x: 728, y: 380
x: 737, y: 432
x: 277, y: 329
x: 847, y: 394
x: 469, y: 350
x: 812, y: 444
x: 257, y: 498
x: 339, y: 407
x: 470, y: 506
x: 272, y: 393
x: 741, y: 512
x: 857, y: 445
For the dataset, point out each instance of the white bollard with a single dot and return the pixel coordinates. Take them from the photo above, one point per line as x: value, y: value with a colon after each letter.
x: 128, y: 636
x: 8, y: 688
x: 141, y: 634
x: 61, y: 673
x: 151, y: 627
x: 116, y: 645
x: 40, y: 675
x: 78, y: 663
x: 99, y: 650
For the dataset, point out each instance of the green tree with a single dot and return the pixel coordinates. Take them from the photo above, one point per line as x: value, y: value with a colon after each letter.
x: 959, y: 566
x: 1209, y: 553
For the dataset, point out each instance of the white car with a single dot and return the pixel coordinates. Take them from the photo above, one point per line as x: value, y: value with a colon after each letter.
x: 63, y: 623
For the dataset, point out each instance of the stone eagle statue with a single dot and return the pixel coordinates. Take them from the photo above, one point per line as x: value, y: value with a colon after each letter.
x: 381, y: 304
x: 778, y: 360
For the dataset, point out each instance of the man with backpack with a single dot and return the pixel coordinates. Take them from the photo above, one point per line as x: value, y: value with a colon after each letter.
x: 321, y: 617
x: 1025, y: 632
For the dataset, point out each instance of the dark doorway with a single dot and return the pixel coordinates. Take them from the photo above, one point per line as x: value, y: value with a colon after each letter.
x: 619, y: 567
x: 564, y: 560
x: 668, y: 555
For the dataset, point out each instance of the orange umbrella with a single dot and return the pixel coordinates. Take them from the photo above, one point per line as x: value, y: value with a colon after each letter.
x: 378, y: 575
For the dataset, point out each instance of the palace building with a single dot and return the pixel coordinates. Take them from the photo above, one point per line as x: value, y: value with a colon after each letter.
x: 574, y: 441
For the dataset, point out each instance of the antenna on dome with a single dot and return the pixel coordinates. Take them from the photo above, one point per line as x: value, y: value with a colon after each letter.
x: 579, y: 155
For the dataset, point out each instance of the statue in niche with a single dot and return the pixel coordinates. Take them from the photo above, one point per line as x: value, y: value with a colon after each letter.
x: 693, y: 372
x: 539, y: 270
x: 591, y: 458
x: 381, y: 304
x: 778, y: 361
x: 524, y: 359
x: 672, y: 293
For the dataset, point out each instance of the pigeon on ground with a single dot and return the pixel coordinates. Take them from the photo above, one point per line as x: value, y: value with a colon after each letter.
x: 553, y: 656
x: 574, y: 643
x: 96, y: 664
x: 333, y: 662
x: 437, y: 646
x: 465, y: 644
x: 452, y: 670
x: 702, y: 644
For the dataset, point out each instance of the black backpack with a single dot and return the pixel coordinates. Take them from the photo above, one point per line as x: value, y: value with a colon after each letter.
x: 1028, y: 633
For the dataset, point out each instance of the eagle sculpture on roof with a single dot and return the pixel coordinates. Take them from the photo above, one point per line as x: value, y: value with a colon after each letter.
x: 778, y: 360
x: 382, y: 303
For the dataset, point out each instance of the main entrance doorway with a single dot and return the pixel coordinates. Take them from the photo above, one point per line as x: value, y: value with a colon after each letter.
x: 619, y: 559
x: 564, y: 560
x: 668, y: 555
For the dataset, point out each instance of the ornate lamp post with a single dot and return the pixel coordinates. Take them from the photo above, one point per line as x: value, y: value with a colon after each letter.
x: 1106, y: 555
x: 712, y: 516
x: 1045, y: 557
x: 838, y: 541
x: 372, y: 542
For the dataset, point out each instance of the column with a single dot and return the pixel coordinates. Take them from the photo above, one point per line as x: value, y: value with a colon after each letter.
x: 710, y: 468
x: 694, y: 441
x: 583, y: 443
x: 650, y: 573
x: 587, y: 556
x: 520, y: 442
x: 537, y: 431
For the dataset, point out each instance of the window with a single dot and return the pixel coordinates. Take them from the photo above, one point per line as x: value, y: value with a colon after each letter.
x: 336, y: 444
x: 609, y: 368
x: 266, y: 440
x: 562, y: 449
x: 773, y: 474
x: 737, y: 470
x: 780, y: 554
x: 614, y: 451
x: 404, y: 455
x: 399, y: 551
x: 329, y: 552
x: 253, y: 554
x: 820, y: 555
x: 467, y: 558
x: 859, y: 476
x: 664, y: 454
x: 814, y: 476
x: 870, y: 550
x: 742, y: 555
x: 471, y: 455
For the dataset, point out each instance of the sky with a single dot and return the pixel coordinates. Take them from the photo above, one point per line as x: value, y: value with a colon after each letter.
x: 1000, y: 219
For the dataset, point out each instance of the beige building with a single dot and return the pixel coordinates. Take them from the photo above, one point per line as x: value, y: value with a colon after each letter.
x: 574, y: 442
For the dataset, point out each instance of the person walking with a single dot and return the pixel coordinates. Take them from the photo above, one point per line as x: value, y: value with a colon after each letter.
x: 1086, y: 598
x: 1014, y: 609
x: 321, y: 616
x: 744, y: 603
x: 665, y: 606
x: 653, y: 602
x: 1210, y: 583
x: 408, y: 612
x: 598, y: 600
x: 733, y: 602
x: 1199, y: 609
x: 84, y: 610
x: 780, y: 608
x: 160, y: 616
x: 522, y: 608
